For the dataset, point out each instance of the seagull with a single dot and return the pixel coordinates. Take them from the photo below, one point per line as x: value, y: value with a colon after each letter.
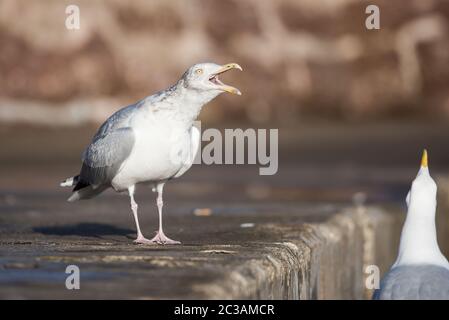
x: 150, y: 142
x: 421, y: 271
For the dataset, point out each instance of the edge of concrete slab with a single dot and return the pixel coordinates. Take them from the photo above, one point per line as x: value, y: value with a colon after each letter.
x: 321, y: 261
x: 328, y: 260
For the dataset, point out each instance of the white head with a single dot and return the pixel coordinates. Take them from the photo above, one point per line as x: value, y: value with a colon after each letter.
x: 418, y: 238
x: 423, y: 192
x: 203, y: 77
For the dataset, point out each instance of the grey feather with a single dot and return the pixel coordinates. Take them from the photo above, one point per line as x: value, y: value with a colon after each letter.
x: 423, y: 282
x: 110, y: 147
x: 86, y: 193
x: 120, y: 119
x: 103, y: 158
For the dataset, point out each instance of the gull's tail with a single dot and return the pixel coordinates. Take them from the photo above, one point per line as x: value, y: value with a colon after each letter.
x: 82, y: 190
x: 87, y: 192
x: 70, y: 182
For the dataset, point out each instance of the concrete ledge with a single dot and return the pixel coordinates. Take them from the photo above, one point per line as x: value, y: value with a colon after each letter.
x: 316, y: 261
x: 302, y: 251
x: 295, y: 250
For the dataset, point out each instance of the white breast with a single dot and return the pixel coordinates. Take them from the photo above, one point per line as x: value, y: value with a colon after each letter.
x: 159, y: 152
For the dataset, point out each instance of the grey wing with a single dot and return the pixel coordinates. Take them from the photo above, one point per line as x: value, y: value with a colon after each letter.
x: 119, y: 119
x: 104, y: 156
x: 435, y: 284
x: 415, y: 282
x: 397, y: 286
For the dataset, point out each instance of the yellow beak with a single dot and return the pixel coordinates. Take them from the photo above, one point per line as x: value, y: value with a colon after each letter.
x: 225, y: 87
x: 424, y: 159
x: 228, y: 66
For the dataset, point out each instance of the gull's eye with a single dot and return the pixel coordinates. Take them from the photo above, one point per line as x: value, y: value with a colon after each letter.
x: 199, y: 71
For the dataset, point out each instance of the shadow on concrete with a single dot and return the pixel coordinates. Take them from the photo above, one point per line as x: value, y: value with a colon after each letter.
x: 84, y: 229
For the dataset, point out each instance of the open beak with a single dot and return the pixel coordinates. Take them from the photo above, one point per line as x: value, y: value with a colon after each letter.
x: 214, y: 78
x: 424, y: 163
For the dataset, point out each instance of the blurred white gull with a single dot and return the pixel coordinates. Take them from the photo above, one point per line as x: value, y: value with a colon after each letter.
x: 421, y: 271
x: 150, y: 142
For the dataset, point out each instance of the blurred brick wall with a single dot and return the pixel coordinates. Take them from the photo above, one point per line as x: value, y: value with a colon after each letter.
x: 301, y: 57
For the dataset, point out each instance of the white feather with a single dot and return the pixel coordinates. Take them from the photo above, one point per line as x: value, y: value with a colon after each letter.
x: 67, y: 183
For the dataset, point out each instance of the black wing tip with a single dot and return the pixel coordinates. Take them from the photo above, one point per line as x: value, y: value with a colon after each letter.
x: 80, y: 185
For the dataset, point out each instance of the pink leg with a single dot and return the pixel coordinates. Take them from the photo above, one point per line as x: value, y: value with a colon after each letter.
x: 160, y: 237
x: 140, y: 238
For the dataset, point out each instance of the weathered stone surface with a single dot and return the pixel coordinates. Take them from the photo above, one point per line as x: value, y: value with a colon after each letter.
x: 315, y: 261
x: 307, y: 252
x: 306, y: 57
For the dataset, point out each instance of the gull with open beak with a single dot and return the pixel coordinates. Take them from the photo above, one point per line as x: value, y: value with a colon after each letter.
x: 213, y: 77
x: 421, y: 271
x: 150, y: 142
